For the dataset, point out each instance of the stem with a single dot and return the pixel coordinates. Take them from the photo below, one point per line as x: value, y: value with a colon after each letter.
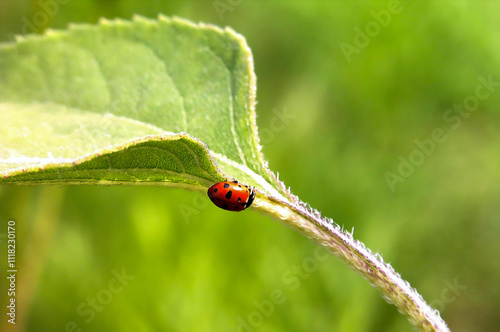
x: 355, y: 254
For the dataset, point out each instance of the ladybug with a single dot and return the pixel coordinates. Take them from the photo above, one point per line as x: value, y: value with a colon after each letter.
x: 231, y: 196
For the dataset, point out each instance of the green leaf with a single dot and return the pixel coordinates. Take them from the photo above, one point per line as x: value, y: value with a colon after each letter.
x: 163, y: 102
x: 110, y: 103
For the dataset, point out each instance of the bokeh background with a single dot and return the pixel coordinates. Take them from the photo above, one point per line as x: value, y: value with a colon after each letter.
x: 350, y: 120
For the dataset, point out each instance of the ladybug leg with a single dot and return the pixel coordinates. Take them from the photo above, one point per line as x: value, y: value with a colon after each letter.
x: 250, y: 198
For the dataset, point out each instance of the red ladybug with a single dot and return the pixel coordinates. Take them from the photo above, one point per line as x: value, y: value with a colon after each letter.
x: 231, y: 196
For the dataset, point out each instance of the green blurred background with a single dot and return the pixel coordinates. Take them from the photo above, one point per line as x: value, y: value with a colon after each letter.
x: 198, y: 268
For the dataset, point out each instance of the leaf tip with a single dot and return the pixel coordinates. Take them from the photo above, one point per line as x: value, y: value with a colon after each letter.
x: 163, y: 17
x: 52, y: 32
x: 140, y: 18
x: 105, y: 21
x: 181, y: 21
x: 78, y: 26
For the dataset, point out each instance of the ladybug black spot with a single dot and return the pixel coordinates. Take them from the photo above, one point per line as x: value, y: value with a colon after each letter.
x: 224, y: 206
x: 226, y: 185
x: 239, y: 199
x: 216, y: 190
x: 236, y: 207
x: 229, y: 194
